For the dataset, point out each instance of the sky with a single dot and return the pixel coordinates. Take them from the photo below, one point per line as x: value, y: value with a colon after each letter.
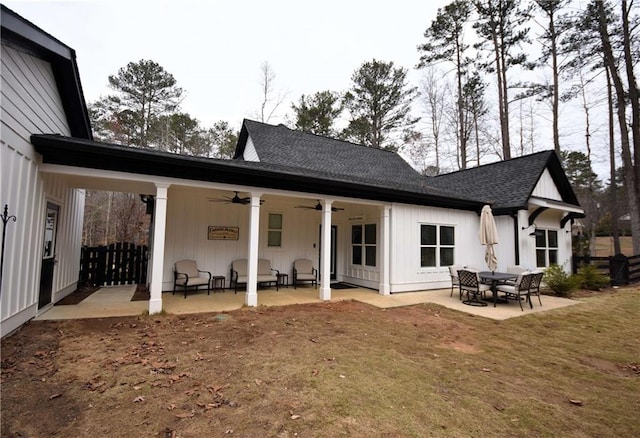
x: 214, y: 49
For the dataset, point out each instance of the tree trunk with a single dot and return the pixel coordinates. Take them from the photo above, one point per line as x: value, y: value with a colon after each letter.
x: 613, y: 187
x: 629, y: 174
x: 506, y: 143
x: 504, y: 123
x: 556, y: 90
x: 634, y: 96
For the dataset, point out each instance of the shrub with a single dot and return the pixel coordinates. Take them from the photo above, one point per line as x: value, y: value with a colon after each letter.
x: 559, y: 281
x: 591, y: 279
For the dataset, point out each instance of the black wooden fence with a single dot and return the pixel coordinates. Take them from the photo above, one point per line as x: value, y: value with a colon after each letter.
x: 620, y: 268
x: 118, y: 263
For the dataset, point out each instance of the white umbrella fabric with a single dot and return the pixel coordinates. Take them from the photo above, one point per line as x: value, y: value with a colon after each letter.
x: 489, y: 237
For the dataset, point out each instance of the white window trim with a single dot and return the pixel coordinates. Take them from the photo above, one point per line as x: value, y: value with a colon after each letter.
x: 437, y: 246
x: 281, y: 230
x: 363, y: 246
x: 547, y: 248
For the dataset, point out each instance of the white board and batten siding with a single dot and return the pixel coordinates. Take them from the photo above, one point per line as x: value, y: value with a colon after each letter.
x: 406, y: 272
x: 250, y: 153
x: 30, y: 104
x: 190, y: 213
x: 546, y: 188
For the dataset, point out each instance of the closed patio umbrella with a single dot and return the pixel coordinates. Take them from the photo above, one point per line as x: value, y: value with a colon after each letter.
x: 489, y: 237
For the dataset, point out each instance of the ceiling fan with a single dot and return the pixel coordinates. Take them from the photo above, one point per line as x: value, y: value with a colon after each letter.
x: 318, y: 207
x: 236, y: 199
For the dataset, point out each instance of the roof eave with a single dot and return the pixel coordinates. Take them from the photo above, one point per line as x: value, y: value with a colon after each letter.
x: 56, y: 149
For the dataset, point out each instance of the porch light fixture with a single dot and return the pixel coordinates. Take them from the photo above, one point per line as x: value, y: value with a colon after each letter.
x: 535, y: 230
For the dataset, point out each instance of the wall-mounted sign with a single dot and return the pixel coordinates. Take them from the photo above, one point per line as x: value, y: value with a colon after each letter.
x: 223, y: 233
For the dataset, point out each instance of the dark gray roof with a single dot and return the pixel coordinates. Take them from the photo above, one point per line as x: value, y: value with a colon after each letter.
x: 57, y: 149
x: 283, y: 146
x: 508, y: 184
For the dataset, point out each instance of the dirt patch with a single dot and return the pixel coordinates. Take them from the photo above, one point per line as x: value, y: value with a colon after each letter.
x: 326, y: 369
x: 612, y: 368
x: 83, y: 291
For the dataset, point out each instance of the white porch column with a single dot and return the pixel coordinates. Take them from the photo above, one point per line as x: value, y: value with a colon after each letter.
x: 384, y: 288
x: 251, y: 297
x: 157, y: 255
x: 325, y: 252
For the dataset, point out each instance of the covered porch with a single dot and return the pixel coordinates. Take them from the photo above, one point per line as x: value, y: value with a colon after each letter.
x: 184, y: 211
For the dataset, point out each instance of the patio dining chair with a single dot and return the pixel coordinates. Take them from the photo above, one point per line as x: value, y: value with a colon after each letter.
x: 455, y: 281
x: 534, y: 288
x: 471, y: 284
x: 186, y: 274
x: 519, y: 290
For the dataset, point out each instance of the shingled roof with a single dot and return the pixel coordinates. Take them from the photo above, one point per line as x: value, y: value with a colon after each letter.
x: 508, y: 184
x: 283, y: 146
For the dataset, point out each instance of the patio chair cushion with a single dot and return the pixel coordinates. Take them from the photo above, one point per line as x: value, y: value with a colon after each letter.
x: 240, y: 266
x: 303, y: 267
x: 515, y: 270
x: 265, y: 274
x: 188, y: 268
x: 187, y: 274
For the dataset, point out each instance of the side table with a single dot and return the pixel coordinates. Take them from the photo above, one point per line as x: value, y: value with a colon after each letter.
x: 217, y: 283
x: 283, y: 280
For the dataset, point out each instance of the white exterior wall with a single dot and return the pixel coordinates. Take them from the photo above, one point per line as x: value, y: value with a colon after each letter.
x: 548, y: 220
x: 190, y: 213
x: 30, y: 104
x: 406, y: 273
x: 546, y: 188
x: 250, y: 153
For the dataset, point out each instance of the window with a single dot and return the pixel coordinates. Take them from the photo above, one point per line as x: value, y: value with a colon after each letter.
x: 363, y: 244
x: 437, y: 243
x: 275, y: 230
x: 546, y: 248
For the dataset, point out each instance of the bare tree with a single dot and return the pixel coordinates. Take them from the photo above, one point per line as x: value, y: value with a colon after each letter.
x: 433, y: 91
x: 271, y: 99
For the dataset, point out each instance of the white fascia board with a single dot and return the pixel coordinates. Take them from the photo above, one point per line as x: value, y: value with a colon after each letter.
x: 556, y: 205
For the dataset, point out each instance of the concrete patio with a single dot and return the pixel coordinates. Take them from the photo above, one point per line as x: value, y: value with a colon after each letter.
x: 116, y: 301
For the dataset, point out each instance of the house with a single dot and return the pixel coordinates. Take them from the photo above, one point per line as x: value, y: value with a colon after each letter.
x: 362, y: 215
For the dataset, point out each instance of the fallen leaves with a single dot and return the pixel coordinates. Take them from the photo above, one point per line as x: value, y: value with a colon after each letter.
x: 95, y: 384
x: 185, y: 415
x: 293, y: 416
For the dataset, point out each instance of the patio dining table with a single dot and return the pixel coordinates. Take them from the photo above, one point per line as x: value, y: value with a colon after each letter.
x: 496, y: 278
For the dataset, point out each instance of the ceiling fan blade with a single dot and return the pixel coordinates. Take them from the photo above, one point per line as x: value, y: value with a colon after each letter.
x: 305, y: 206
x: 227, y: 200
x: 336, y: 209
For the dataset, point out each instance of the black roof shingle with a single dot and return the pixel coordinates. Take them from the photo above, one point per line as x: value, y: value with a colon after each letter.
x: 508, y: 184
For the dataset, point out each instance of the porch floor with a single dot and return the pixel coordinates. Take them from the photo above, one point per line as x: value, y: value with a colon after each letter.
x: 116, y: 301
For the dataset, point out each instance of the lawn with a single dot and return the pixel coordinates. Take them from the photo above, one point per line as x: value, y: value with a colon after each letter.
x: 330, y: 370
